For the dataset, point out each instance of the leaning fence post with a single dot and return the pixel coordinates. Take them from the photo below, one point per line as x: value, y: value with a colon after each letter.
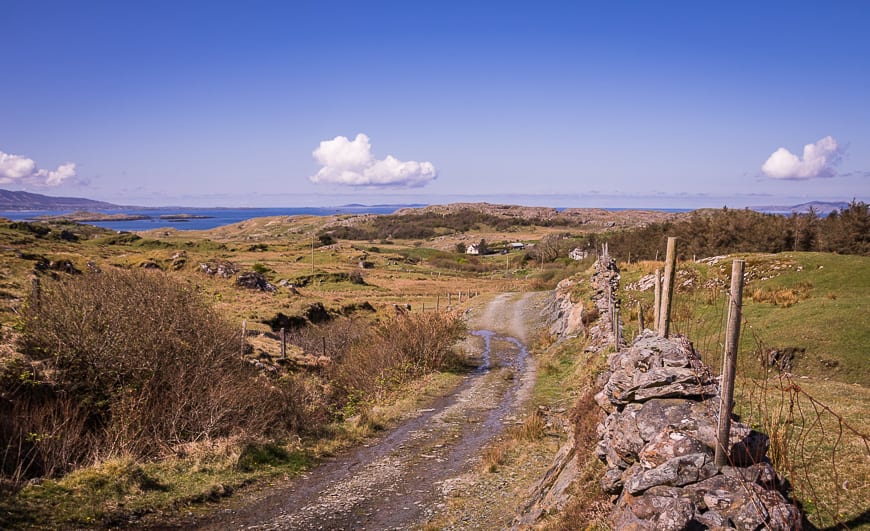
x: 668, y: 288
x: 729, y: 364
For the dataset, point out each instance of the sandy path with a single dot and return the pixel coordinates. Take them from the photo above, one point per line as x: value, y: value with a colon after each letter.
x: 400, y: 481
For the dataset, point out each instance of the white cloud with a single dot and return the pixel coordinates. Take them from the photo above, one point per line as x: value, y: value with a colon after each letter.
x: 15, y: 169
x: 819, y: 160
x: 351, y: 163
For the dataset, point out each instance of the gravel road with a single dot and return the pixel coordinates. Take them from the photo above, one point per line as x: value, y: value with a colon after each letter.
x: 401, y: 480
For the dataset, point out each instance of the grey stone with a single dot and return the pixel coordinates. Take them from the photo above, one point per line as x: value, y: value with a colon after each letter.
x: 654, y: 512
x: 611, y: 482
x: 675, y: 472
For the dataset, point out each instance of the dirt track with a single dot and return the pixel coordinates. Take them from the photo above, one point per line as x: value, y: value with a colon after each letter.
x: 400, y: 481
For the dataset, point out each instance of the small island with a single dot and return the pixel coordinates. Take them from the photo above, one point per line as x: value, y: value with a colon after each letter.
x: 183, y: 217
x: 83, y: 216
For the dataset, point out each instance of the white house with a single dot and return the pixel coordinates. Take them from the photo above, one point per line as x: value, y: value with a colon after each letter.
x: 472, y: 249
x: 578, y: 254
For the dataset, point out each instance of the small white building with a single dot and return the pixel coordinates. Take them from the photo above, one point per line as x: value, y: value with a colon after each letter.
x: 517, y: 246
x: 472, y: 249
x: 578, y: 254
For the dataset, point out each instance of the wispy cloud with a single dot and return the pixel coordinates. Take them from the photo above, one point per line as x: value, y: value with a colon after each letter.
x: 351, y: 163
x: 15, y: 169
x: 819, y: 160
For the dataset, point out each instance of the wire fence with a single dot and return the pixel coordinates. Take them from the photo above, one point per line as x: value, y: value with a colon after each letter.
x: 817, y: 427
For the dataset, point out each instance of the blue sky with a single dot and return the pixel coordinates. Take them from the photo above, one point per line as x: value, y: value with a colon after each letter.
x: 659, y: 104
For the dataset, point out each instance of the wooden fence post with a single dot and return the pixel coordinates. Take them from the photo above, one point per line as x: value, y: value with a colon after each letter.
x: 244, y: 335
x: 639, y: 318
x: 657, y: 301
x: 668, y: 288
x: 729, y: 363
x: 283, y: 344
x: 617, y: 332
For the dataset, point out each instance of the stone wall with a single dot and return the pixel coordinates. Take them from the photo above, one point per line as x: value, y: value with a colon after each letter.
x: 569, y: 318
x: 658, y: 442
x: 658, y: 438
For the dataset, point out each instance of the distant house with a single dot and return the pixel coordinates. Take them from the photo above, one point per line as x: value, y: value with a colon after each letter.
x: 472, y: 249
x: 518, y: 246
x: 578, y: 254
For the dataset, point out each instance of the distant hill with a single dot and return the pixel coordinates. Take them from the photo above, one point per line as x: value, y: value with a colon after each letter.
x: 821, y: 207
x: 10, y: 200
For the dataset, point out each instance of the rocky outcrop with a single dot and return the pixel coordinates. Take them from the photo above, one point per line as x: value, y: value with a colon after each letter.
x: 219, y: 268
x: 566, y: 319
x: 255, y: 281
x: 569, y: 318
x: 658, y: 442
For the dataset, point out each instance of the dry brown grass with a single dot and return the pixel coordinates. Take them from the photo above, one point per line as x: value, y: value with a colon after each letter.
x: 534, y: 427
x: 782, y: 296
x: 495, y: 456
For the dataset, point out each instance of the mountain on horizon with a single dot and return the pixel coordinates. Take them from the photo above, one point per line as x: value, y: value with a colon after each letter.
x: 18, y: 200
x: 820, y: 207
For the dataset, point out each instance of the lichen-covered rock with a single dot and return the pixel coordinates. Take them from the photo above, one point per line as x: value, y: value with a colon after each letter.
x: 611, y: 482
x: 747, y: 505
x: 674, y: 472
x: 662, y: 511
x: 668, y: 444
x: 655, y: 367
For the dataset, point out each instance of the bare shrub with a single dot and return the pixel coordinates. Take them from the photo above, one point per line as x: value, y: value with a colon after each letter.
x: 396, y: 350
x: 147, y: 365
x: 332, y: 338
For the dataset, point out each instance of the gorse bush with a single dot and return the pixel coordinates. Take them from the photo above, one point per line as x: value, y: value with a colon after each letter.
x: 132, y: 363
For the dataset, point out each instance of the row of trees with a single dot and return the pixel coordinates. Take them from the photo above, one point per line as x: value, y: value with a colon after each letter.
x: 724, y: 231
